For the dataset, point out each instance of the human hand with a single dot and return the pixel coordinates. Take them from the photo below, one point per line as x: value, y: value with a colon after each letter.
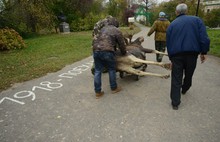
x: 124, y: 54
x: 167, y: 66
x: 202, y: 58
x: 170, y: 66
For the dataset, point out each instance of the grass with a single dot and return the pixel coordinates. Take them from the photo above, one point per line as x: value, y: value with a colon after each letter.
x: 127, y: 30
x: 50, y: 53
x: 215, y: 42
x: 44, y: 54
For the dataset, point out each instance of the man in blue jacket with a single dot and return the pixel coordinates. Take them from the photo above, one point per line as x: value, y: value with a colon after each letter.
x: 186, y: 39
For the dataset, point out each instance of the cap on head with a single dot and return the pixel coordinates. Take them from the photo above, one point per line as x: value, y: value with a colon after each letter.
x: 162, y: 14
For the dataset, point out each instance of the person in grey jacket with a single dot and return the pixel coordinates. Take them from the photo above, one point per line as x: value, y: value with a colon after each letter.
x: 104, y: 47
x: 186, y: 39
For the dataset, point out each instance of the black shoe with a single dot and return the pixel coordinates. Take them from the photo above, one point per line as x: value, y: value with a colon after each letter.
x: 175, y: 107
x: 183, y: 92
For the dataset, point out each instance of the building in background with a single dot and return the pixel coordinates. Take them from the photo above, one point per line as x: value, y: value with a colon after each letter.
x: 210, y: 5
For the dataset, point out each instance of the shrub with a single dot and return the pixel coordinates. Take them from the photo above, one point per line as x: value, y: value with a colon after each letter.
x: 84, y: 24
x: 10, y: 39
x: 212, y: 19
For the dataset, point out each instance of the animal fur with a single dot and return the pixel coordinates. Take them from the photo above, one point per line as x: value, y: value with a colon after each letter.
x: 128, y: 63
x: 136, y: 58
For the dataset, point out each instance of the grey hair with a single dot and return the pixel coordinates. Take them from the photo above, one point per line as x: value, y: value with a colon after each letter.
x: 181, y: 8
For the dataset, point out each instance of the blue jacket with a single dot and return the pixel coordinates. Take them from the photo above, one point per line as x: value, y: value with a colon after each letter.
x: 187, y: 34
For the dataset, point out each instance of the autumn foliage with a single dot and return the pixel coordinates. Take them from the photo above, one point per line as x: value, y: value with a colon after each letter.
x: 10, y: 39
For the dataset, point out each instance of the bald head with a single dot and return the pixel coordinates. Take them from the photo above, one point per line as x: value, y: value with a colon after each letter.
x: 181, y: 9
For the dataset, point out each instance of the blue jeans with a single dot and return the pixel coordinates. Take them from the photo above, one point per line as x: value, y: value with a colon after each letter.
x: 104, y: 59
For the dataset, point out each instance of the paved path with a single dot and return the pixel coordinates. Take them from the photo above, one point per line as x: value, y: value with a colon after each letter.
x: 61, y: 107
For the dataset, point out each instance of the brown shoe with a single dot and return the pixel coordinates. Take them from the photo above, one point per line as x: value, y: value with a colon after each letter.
x: 118, y: 89
x: 100, y: 94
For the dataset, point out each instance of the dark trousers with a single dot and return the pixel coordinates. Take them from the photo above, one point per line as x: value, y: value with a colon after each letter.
x: 182, y: 66
x: 160, y: 46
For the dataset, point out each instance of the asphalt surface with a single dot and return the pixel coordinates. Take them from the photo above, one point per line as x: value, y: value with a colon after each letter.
x: 61, y: 107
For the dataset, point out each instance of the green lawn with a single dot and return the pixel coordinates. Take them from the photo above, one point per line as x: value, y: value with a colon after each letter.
x: 51, y: 53
x: 214, y: 36
x: 43, y: 54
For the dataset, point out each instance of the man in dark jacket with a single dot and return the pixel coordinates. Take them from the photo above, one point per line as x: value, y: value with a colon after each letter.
x: 186, y: 39
x: 104, y: 47
x: 99, y: 25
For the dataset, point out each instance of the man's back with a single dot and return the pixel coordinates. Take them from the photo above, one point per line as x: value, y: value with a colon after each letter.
x: 162, y: 24
x: 108, y: 39
x: 159, y: 27
x: 186, y: 34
